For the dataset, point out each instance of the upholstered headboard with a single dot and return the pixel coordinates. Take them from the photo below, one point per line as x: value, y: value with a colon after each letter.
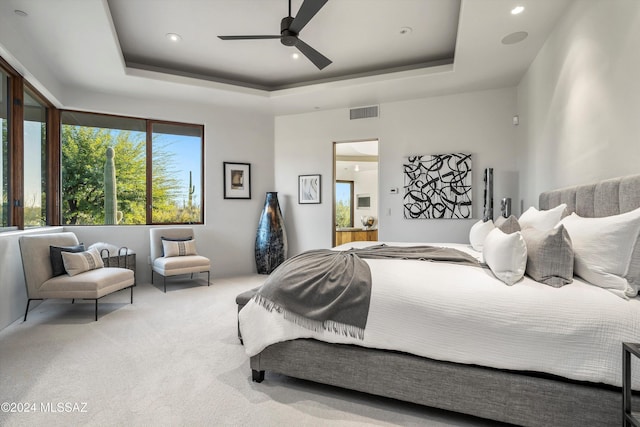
x: 610, y: 197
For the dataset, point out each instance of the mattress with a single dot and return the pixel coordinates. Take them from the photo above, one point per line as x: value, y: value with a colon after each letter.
x: 465, y: 315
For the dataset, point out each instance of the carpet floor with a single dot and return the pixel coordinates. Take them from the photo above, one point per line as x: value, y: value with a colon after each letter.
x: 168, y: 360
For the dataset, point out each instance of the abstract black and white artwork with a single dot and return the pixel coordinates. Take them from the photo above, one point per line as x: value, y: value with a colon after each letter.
x: 438, y: 186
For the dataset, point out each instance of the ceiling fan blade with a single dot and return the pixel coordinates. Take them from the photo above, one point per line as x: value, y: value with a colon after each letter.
x: 318, y: 59
x: 248, y: 37
x: 307, y: 11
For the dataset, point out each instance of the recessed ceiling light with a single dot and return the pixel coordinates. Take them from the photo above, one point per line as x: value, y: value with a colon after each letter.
x: 514, y: 38
x: 173, y: 37
x: 517, y: 10
x: 20, y: 12
x: 295, y: 55
x: 406, y: 30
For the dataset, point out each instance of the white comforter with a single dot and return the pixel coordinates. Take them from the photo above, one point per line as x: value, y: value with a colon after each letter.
x: 464, y: 314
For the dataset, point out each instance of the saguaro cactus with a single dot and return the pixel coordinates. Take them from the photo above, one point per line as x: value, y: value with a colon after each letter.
x: 110, y: 198
x: 192, y: 189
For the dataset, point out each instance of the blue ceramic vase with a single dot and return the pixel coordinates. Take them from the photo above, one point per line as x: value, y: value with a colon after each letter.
x: 271, y: 238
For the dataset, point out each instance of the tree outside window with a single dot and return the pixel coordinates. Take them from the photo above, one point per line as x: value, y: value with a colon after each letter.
x: 98, y: 188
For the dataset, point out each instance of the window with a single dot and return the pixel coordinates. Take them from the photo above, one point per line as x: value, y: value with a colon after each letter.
x: 35, y: 161
x: 177, y: 173
x: 76, y: 168
x: 344, y: 204
x: 112, y: 166
x: 4, y: 152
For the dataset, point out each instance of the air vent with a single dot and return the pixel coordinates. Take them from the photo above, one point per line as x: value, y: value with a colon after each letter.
x: 363, y: 112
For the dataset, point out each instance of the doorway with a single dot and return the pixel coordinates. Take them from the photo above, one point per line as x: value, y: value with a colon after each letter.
x: 355, y: 191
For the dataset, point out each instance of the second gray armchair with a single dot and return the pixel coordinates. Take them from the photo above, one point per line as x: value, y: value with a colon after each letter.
x: 173, y: 253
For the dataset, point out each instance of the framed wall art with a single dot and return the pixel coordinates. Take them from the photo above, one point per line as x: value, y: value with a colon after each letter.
x: 309, y: 187
x: 237, y: 180
x: 438, y: 186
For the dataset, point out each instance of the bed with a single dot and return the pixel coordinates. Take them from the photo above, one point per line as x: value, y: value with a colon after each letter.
x: 459, y: 374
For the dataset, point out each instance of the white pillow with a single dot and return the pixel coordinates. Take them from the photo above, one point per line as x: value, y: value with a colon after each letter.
x: 79, y: 262
x: 506, y: 255
x: 179, y: 248
x: 602, y: 248
x: 542, y: 220
x: 479, y: 232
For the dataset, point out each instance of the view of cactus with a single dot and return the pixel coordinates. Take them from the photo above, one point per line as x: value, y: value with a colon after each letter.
x: 87, y: 190
x: 110, y: 198
x: 192, y: 190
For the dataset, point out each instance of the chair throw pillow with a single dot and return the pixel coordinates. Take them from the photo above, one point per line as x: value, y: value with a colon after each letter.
x: 478, y: 233
x: 179, y: 248
x: 55, y: 254
x: 76, y: 263
x: 549, y: 256
x: 506, y: 255
x: 174, y: 239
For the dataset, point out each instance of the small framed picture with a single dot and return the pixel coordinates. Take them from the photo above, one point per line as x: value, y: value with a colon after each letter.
x: 237, y: 180
x: 309, y: 189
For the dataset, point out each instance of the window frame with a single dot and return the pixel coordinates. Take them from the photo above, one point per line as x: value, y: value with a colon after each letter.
x: 16, y: 85
x: 148, y: 162
x: 15, y: 148
x: 351, y: 200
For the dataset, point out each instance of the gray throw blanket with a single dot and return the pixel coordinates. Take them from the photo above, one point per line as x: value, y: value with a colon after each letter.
x: 331, y: 290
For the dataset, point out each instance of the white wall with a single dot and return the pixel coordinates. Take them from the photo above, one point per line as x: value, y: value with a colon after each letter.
x: 579, y: 102
x: 366, y: 183
x: 479, y: 123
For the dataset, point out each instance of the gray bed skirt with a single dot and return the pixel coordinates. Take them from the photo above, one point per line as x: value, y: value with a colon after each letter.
x: 484, y: 392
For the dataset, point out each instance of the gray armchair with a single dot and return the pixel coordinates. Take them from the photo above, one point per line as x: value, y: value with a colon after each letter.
x: 168, y: 266
x: 41, y: 284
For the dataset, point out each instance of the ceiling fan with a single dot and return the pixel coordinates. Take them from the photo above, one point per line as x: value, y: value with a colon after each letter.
x: 290, y: 28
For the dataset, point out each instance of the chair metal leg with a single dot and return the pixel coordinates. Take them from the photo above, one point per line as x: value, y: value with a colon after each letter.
x: 165, y: 283
x: 131, y: 294
x: 96, y: 309
x: 27, y: 310
x: 152, y: 276
x: 208, y: 278
x: 73, y: 300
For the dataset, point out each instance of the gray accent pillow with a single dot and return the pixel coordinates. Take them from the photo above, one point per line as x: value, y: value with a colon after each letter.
x: 549, y: 256
x: 509, y: 225
x: 55, y: 254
